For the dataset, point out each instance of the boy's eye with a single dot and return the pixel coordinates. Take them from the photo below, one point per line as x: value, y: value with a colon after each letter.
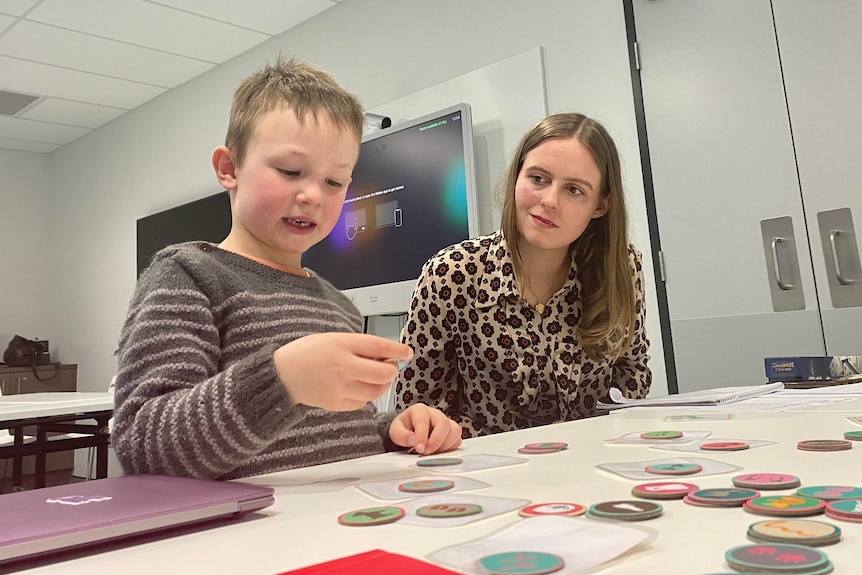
x: 333, y: 183
x: 288, y: 172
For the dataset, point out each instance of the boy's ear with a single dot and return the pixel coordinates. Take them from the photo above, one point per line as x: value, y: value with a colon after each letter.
x: 224, y: 167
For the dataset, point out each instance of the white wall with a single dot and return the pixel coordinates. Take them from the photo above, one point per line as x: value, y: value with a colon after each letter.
x: 24, y: 247
x: 157, y: 156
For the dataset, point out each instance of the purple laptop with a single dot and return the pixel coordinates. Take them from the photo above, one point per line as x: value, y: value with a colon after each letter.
x: 69, y: 516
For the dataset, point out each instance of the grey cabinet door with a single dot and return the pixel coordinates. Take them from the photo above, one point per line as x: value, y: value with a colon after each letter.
x: 723, y: 161
x: 820, y: 43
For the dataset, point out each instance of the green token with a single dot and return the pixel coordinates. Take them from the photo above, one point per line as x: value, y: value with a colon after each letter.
x: 426, y: 486
x: 439, y: 462
x: 853, y: 435
x: 661, y: 434
x: 785, y: 505
x: 673, y: 468
x: 371, y: 516
x: 521, y: 563
x: 831, y: 492
x: 449, y: 510
x: 776, y: 558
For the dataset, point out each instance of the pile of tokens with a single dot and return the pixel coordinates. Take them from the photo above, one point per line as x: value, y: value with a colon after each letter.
x: 773, y: 558
x: 543, y: 447
x: 625, y: 510
x: 824, y: 444
x: 722, y: 497
x: 796, y: 531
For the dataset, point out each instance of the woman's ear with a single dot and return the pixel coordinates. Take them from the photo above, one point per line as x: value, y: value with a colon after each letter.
x: 602, y: 208
x: 224, y: 167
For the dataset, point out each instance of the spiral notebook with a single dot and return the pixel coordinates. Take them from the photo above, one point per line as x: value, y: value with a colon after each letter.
x: 70, y: 516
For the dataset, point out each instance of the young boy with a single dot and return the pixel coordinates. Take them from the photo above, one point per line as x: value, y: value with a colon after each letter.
x: 236, y: 361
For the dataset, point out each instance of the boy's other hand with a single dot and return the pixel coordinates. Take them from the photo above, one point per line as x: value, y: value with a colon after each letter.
x: 338, y: 371
x: 426, y: 429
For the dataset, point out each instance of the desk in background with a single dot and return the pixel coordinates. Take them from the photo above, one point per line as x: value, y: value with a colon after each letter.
x: 60, y: 412
x: 302, y: 529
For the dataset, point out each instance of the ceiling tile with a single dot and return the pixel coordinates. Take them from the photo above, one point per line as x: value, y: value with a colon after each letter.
x: 71, y: 113
x: 16, y: 7
x: 78, y: 51
x: 27, y: 146
x: 5, y: 22
x: 33, y: 78
x: 17, y: 128
x: 268, y: 16
x: 151, y: 25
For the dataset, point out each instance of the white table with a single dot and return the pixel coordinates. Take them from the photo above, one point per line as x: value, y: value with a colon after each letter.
x: 55, y: 412
x: 301, y: 528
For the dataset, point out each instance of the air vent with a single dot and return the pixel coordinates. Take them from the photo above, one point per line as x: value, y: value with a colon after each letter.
x: 11, y: 102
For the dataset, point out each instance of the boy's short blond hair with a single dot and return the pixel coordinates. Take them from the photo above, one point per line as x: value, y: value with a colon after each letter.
x: 294, y: 84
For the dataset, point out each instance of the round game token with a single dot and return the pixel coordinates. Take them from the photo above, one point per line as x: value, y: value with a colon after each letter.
x: 521, y: 563
x: 673, y: 468
x: 625, y: 510
x: 845, y: 509
x: 722, y: 497
x: 661, y: 435
x: 798, y: 531
x: 555, y: 508
x: 831, y: 492
x: 449, y: 510
x: 547, y: 445
x: 824, y: 445
x: 853, y: 435
x: 663, y: 490
x: 439, y: 462
x: 724, y: 446
x: 774, y: 558
x: 785, y: 505
x: 766, y: 481
x: 426, y: 486
x: 535, y: 450
x: 371, y: 516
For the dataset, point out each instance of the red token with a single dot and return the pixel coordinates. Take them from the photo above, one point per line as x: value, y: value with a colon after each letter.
x: 556, y: 508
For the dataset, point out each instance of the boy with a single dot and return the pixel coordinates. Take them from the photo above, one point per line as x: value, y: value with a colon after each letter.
x: 236, y: 361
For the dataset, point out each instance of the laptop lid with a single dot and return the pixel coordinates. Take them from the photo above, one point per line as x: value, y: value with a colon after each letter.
x: 69, y: 516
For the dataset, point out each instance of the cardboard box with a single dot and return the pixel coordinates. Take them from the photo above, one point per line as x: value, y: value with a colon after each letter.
x: 816, y: 368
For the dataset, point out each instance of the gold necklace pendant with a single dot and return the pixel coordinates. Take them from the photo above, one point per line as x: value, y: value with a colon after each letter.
x: 540, y: 307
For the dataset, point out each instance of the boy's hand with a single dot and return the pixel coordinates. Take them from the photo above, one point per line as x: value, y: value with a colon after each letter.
x: 426, y: 429
x: 338, y: 371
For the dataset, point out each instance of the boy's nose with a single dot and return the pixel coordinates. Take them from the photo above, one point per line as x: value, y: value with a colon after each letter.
x: 310, y: 193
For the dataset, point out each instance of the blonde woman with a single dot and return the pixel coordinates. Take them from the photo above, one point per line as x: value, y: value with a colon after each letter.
x: 535, y: 323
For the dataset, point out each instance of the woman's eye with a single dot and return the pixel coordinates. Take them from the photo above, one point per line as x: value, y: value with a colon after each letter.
x: 536, y: 179
x: 575, y: 191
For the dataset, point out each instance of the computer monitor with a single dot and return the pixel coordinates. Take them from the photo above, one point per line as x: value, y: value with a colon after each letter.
x: 413, y: 193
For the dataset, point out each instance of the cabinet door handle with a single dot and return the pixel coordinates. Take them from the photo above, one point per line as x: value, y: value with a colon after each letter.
x: 833, y: 239
x: 777, y: 268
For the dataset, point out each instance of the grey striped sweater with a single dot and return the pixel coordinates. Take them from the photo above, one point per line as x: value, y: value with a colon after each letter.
x: 197, y: 393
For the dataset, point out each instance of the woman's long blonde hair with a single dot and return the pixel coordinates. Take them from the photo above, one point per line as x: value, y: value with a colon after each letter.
x: 606, y: 325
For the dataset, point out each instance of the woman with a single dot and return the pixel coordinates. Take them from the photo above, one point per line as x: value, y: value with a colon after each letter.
x: 535, y: 323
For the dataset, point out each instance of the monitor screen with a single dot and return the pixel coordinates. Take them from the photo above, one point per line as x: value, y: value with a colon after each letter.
x: 413, y: 193
x: 207, y: 219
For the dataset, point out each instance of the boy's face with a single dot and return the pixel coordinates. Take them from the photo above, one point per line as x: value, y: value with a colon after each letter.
x: 290, y: 188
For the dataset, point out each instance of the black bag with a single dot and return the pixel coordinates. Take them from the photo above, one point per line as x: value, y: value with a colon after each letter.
x: 23, y: 352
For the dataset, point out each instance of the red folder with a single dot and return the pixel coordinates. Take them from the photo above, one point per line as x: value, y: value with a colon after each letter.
x: 375, y: 562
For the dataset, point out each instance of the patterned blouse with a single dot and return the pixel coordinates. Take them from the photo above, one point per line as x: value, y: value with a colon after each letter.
x: 493, y: 363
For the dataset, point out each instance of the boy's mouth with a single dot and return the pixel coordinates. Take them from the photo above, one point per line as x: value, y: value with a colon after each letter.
x: 299, y: 223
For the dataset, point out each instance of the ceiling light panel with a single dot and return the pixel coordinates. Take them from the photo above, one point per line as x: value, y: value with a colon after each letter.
x: 87, y: 53
x: 150, y: 25
x: 268, y: 16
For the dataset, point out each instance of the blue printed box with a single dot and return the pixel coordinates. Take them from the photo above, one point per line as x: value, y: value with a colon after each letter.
x: 811, y: 368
